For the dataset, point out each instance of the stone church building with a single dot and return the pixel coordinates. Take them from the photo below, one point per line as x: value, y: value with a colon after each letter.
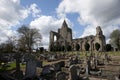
x: 63, y: 41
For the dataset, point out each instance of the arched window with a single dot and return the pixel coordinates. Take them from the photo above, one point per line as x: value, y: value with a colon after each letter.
x: 55, y: 38
x: 77, y: 47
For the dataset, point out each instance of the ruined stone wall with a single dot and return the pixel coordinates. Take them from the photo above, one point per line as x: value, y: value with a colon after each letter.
x: 64, y: 40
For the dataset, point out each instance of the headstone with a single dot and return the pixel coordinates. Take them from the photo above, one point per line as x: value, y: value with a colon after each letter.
x: 61, y: 76
x: 46, y: 70
x: 57, y: 67
x: 75, y: 60
x: 73, y: 72
x: 18, y: 72
x: 64, y: 69
x: 31, y: 68
x: 88, y: 66
x: 39, y: 63
x: 67, y: 64
x: 87, y: 72
x: 62, y: 63
x: 70, y: 60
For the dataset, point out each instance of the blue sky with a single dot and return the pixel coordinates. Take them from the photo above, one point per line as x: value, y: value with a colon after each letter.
x: 48, y: 8
x: 83, y: 16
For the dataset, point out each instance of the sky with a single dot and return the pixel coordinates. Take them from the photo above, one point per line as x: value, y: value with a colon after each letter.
x: 83, y: 16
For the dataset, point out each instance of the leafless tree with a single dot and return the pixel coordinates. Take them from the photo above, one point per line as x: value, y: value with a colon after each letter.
x: 28, y: 37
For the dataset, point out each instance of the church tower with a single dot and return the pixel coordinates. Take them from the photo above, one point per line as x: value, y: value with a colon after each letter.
x: 100, y: 38
x: 65, y: 32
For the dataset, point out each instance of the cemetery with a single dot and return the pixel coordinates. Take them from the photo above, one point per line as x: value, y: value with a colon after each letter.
x: 74, y: 59
x: 75, y: 67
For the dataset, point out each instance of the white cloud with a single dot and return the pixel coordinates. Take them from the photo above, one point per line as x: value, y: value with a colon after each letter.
x: 34, y: 9
x: 46, y: 24
x: 93, y: 13
x: 11, y: 13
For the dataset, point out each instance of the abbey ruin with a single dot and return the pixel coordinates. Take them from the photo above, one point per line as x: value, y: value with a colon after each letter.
x: 63, y: 41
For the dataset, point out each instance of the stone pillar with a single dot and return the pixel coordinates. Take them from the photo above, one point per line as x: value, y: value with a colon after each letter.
x: 51, y: 40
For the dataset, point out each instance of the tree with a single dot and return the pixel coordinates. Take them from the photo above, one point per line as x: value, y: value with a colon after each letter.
x: 115, y: 38
x: 21, y: 44
x: 87, y: 46
x: 97, y: 46
x: 41, y: 49
x: 108, y: 47
x: 29, y: 37
x: 9, y: 45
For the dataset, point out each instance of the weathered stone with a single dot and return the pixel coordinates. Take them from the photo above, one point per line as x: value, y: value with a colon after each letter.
x: 47, y: 70
x: 62, y: 63
x: 61, y: 76
x: 39, y: 63
x: 73, y: 73
x: 64, y: 41
x: 31, y: 68
x: 64, y: 69
x: 57, y: 67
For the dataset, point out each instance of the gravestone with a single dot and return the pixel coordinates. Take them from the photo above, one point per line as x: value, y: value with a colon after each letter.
x: 67, y: 64
x: 47, y: 73
x: 61, y: 76
x: 75, y: 60
x: 87, y: 70
x: 64, y: 69
x: 18, y: 73
x: 62, y: 63
x: 88, y: 66
x: 73, y: 72
x: 31, y: 68
x: 57, y: 67
x: 46, y: 70
x: 39, y: 63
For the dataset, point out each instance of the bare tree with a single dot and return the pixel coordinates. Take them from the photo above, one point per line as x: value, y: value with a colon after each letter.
x: 29, y: 37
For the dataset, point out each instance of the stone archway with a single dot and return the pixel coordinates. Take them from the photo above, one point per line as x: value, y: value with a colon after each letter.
x: 77, y: 47
x: 87, y: 46
x: 62, y: 48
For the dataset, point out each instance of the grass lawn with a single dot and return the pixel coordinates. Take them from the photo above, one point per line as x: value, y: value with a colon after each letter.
x: 83, y: 53
x: 10, y: 66
x: 114, y: 53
